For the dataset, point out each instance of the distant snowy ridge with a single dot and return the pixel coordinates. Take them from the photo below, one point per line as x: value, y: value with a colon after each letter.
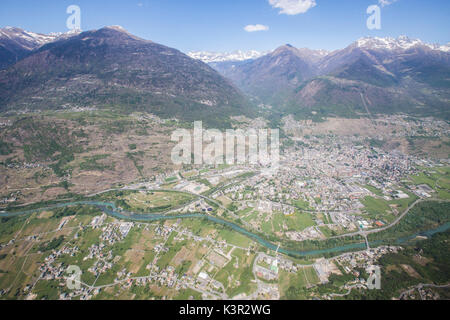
x: 30, y: 40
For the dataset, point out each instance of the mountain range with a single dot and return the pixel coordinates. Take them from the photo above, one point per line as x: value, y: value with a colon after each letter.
x: 110, y: 67
x: 372, y: 75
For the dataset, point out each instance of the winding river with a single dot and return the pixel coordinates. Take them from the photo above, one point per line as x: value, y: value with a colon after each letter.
x: 111, y: 210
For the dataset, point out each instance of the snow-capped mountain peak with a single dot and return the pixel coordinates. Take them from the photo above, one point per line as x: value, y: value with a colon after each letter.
x: 401, y: 43
x: 209, y: 57
x: 31, y: 40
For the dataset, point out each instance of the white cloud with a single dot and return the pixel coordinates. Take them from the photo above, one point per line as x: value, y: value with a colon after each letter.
x: 256, y: 27
x: 385, y: 3
x: 293, y: 7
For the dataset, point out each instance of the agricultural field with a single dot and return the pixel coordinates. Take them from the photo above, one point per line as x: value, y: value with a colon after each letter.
x: 437, y: 178
x: 387, y: 210
x: 157, y: 201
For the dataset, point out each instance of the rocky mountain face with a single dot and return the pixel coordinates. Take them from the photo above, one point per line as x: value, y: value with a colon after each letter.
x: 372, y: 75
x: 110, y: 67
x: 274, y: 75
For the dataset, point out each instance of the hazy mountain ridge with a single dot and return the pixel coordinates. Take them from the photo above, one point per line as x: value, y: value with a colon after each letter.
x: 371, y: 75
x: 211, y: 57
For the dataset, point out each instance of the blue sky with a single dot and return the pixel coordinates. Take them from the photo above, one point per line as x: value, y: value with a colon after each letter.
x: 218, y: 25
